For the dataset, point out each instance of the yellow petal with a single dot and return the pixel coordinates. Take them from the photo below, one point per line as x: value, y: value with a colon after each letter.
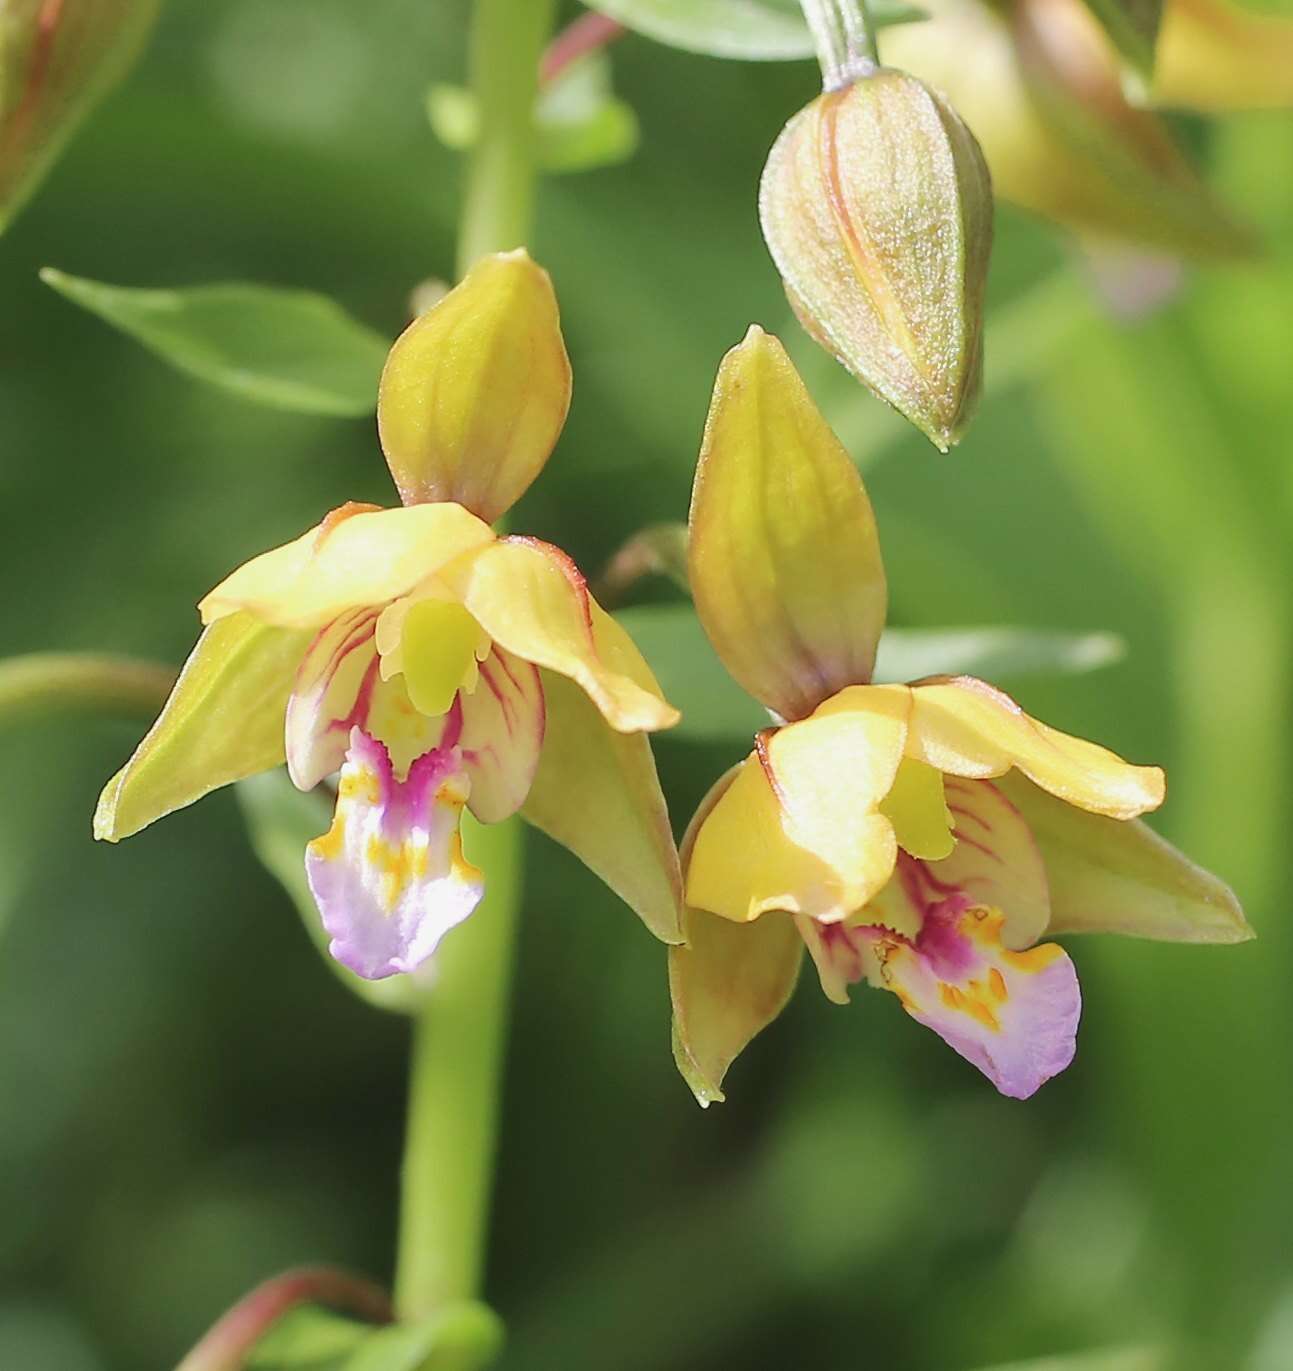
x: 597, y: 793
x: 917, y: 808
x: 476, y: 391
x: 969, y: 728
x: 1111, y: 877
x: 357, y: 556
x: 531, y: 598
x: 223, y: 721
x: 728, y: 982
x: 1216, y: 56
x: 784, y: 558
x: 799, y: 829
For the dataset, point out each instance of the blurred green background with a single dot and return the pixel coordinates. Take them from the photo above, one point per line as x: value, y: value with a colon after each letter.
x: 190, y: 1101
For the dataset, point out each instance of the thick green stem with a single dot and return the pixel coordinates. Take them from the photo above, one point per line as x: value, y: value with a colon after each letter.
x: 460, y: 1036
x: 507, y: 41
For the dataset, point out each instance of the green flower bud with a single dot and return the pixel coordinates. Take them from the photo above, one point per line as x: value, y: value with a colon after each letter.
x: 57, y: 59
x: 877, y: 208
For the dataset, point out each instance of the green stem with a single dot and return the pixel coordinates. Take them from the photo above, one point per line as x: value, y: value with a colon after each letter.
x: 844, y: 34
x: 460, y: 1036
x: 458, y: 1044
x: 507, y: 41
x: 42, y: 681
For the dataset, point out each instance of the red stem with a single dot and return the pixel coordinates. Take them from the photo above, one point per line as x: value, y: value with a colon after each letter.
x: 232, y: 1337
x: 588, y: 33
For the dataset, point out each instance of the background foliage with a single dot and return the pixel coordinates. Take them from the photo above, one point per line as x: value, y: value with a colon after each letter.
x: 190, y: 1101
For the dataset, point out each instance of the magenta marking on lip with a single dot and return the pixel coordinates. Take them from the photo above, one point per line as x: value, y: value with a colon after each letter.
x: 505, y: 703
x: 358, y: 715
x: 499, y: 656
x: 452, y: 734
x: 962, y: 812
x: 979, y: 847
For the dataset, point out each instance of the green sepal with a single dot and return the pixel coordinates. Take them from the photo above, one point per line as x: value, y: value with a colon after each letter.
x: 222, y: 722
x: 1108, y: 876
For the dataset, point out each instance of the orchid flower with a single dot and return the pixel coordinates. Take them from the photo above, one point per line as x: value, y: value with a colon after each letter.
x: 428, y: 661
x: 924, y: 838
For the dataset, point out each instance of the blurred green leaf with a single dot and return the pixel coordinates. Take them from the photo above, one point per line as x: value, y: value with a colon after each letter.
x: 462, y: 1337
x: 1132, y: 26
x: 581, y: 124
x: 280, y: 821
x: 309, y: 1339
x: 289, y: 349
x: 752, y: 30
x: 907, y: 654
x: 1114, y: 1359
x: 714, y: 706
x: 56, y: 63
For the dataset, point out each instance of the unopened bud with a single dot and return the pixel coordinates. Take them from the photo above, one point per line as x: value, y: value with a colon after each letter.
x: 877, y: 209
x: 57, y: 58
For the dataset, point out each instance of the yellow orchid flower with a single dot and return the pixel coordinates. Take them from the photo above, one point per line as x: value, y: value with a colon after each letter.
x: 925, y: 837
x: 430, y: 661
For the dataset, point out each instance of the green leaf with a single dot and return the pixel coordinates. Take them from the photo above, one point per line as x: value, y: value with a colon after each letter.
x: 581, y: 124
x: 751, y: 30
x: 1113, y: 1359
x: 714, y: 707
x: 289, y: 349
x: 309, y: 1339
x: 462, y: 1337
x: 907, y: 654
x: 280, y: 821
x: 1132, y: 26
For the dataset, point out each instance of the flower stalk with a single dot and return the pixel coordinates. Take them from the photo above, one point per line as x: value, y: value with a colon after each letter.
x: 460, y: 1035
x: 844, y: 35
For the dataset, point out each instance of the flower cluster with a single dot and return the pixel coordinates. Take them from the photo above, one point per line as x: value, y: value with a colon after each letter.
x: 924, y: 838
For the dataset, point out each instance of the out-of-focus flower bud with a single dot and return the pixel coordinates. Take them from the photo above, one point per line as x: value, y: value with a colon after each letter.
x: 1040, y: 85
x: 57, y: 58
x: 1215, y: 56
x: 877, y: 209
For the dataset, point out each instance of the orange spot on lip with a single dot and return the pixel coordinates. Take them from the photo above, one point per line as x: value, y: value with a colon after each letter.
x: 997, y: 984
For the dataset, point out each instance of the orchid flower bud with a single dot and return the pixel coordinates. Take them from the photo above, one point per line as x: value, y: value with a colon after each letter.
x: 57, y: 59
x: 877, y: 208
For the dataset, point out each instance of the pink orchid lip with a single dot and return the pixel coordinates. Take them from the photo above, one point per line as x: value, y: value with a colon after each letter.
x: 389, y: 878
x: 1012, y: 1014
